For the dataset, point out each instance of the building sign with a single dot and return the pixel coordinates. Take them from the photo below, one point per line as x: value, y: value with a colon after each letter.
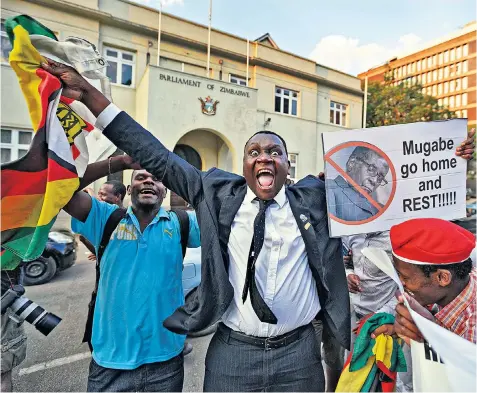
x: 197, y: 83
x: 379, y: 177
x: 209, y: 106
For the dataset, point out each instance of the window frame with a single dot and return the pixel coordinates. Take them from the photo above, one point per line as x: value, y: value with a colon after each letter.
x: 120, y: 61
x: 238, y: 78
x: 284, y: 96
x: 4, y: 34
x: 14, y: 146
x: 341, y: 111
x: 294, y: 165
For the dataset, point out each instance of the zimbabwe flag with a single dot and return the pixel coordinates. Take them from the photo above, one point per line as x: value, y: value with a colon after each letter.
x: 36, y: 187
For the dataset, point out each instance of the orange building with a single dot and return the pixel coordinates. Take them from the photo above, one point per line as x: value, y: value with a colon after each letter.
x: 446, y: 69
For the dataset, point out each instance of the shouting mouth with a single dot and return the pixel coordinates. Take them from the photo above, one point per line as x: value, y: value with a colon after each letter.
x: 265, y: 179
x: 147, y: 192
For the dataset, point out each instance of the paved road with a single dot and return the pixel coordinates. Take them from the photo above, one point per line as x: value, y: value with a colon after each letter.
x: 59, y: 362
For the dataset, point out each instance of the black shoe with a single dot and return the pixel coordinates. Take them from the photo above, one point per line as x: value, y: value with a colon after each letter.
x: 187, y: 348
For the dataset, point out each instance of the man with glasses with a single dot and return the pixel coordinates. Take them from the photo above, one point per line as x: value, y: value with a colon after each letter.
x: 353, y: 198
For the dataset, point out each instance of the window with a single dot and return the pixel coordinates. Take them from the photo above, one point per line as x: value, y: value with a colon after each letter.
x: 451, y: 102
x: 6, y: 48
x: 434, y: 90
x: 409, y: 68
x: 413, y: 80
x: 464, y: 99
x: 238, y: 80
x: 452, y: 54
x: 446, y: 101
x: 404, y: 71
x: 418, y: 65
x: 419, y: 79
x: 413, y: 68
x: 464, y: 83
x: 121, y: 66
x: 457, y: 113
x: 429, y: 77
x: 446, y: 87
x: 458, y: 68
x: 458, y: 84
x: 441, y: 73
x: 439, y: 101
x: 441, y: 58
x: 429, y: 62
x: 446, y: 56
x: 458, y: 52
x: 14, y: 144
x: 457, y: 100
x: 423, y: 91
x: 434, y: 75
x: 286, y: 101
x: 434, y: 60
x: 465, y: 50
x: 424, y: 78
x: 451, y: 86
x: 439, y: 89
x: 429, y: 91
x: 464, y: 113
x: 423, y: 64
x: 399, y: 72
x: 293, y: 158
x: 465, y: 67
x: 446, y: 72
x: 338, y: 114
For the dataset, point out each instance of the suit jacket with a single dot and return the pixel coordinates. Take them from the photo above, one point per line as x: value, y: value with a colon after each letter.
x: 216, y: 196
x: 346, y: 203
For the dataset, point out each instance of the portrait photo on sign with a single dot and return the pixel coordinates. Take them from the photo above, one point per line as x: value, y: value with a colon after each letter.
x: 359, y: 182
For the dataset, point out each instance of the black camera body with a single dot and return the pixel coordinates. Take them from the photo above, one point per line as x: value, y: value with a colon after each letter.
x: 27, y: 310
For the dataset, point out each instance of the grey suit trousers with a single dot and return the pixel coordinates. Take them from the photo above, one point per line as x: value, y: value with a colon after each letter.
x: 234, y: 366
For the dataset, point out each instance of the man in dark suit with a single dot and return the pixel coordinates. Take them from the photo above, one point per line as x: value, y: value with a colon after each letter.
x: 268, y: 264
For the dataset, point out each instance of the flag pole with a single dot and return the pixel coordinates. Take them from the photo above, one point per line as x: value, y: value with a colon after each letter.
x: 248, y: 55
x: 208, y: 43
x: 365, y: 109
x: 159, y: 35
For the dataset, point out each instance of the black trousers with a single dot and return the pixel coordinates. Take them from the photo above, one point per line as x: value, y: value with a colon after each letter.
x: 232, y: 366
x: 165, y: 376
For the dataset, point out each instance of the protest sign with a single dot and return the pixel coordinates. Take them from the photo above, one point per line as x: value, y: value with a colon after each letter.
x: 445, y: 361
x: 379, y: 177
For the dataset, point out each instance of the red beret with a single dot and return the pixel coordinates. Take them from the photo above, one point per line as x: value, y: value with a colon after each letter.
x: 431, y: 241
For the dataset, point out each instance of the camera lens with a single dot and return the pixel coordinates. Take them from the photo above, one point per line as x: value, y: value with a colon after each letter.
x: 47, y: 323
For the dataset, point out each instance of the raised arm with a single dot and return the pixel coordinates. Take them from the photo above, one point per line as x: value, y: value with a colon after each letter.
x: 176, y: 174
x: 80, y: 205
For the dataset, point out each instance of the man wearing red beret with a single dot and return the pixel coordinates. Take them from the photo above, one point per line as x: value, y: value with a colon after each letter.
x: 432, y: 258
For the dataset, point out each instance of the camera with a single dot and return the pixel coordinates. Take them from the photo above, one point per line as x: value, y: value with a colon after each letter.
x: 25, y: 309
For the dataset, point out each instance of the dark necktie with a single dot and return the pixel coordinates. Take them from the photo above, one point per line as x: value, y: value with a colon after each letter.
x: 259, y: 306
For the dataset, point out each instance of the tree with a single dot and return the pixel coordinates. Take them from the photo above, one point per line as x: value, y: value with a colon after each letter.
x: 389, y: 104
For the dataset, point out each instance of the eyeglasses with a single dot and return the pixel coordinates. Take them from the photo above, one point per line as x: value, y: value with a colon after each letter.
x: 373, y: 171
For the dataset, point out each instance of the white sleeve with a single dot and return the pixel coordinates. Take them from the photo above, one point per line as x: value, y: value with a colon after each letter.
x: 106, y: 116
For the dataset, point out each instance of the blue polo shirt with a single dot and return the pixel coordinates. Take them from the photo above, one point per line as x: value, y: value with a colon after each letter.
x: 140, y: 286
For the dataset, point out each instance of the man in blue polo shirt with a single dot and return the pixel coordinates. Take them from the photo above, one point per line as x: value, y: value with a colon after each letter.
x: 140, y: 286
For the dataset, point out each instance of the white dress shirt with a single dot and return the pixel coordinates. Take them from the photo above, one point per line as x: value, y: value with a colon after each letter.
x: 282, y: 273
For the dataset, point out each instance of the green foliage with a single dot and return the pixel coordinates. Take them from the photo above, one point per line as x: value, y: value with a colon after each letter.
x: 389, y: 104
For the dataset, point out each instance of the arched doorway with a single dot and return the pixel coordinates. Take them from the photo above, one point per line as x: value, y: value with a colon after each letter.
x: 204, y: 150
x: 190, y: 155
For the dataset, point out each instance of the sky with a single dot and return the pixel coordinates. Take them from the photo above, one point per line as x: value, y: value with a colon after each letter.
x: 349, y: 35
